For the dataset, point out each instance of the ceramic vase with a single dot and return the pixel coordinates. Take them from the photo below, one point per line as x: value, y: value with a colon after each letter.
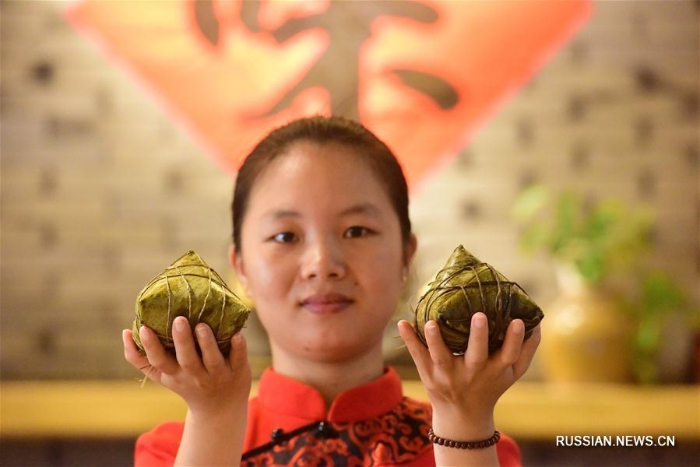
x: 585, y: 335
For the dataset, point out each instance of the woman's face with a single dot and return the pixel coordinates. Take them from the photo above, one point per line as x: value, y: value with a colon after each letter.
x: 321, y: 253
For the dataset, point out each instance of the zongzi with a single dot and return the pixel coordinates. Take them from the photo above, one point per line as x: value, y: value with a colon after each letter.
x: 465, y: 286
x: 190, y: 288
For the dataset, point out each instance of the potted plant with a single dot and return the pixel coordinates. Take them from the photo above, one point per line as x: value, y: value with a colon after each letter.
x: 607, y: 323
x: 587, y: 336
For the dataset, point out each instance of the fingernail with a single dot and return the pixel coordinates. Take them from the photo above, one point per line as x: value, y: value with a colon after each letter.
x: 519, y: 326
x: 143, y: 335
x: 238, y: 339
x: 179, y: 324
x: 200, y: 330
x: 431, y: 327
x: 478, y: 321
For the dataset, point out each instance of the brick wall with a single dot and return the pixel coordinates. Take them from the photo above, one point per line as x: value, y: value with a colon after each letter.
x: 100, y: 190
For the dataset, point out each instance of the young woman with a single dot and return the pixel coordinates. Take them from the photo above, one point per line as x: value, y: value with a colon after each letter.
x: 322, y: 243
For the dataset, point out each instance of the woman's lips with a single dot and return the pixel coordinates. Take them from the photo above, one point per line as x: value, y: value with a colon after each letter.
x: 326, y: 303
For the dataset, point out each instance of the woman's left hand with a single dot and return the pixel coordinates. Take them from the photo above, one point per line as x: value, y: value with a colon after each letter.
x: 464, y: 389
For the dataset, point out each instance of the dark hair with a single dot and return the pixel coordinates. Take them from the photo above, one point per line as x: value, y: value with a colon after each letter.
x: 321, y: 130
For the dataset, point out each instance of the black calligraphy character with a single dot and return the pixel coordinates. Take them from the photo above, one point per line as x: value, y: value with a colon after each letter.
x: 348, y: 25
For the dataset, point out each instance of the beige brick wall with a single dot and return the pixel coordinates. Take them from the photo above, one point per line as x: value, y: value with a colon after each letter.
x: 100, y: 190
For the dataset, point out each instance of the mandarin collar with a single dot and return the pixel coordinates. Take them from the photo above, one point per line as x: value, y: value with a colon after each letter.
x: 284, y: 395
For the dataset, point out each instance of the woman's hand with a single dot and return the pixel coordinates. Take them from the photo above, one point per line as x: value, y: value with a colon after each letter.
x: 208, y: 383
x: 464, y: 389
x: 215, y: 388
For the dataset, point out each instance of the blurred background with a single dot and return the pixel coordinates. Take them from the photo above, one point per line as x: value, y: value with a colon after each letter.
x: 101, y: 190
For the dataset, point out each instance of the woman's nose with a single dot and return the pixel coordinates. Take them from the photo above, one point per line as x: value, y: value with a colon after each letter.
x: 323, y: 259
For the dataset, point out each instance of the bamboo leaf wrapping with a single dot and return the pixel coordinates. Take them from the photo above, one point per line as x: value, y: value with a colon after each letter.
x: 465, y: 286
x: 190, y: 288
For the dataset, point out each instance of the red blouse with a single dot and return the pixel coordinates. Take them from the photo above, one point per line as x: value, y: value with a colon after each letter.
x: 289, y: 424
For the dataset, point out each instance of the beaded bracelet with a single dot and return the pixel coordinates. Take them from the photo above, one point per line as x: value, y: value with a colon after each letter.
x: 464, y: 444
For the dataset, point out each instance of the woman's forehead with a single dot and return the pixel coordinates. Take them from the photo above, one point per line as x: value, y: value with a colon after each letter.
x: 325, y: 176
x: 304, y: 161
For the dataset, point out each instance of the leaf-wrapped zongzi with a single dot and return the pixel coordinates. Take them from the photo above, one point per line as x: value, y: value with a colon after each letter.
x: 465, y: 286
x: 190, y: 288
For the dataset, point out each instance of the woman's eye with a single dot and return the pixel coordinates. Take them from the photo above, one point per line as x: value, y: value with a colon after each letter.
x: 356, y: 231
x: 284, y: 237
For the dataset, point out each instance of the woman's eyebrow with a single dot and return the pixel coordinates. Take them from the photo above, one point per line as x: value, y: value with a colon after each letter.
x: 364, y: 208
x: 282, y: 214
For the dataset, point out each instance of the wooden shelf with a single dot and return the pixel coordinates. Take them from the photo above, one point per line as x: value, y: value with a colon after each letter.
x: 123, y: 409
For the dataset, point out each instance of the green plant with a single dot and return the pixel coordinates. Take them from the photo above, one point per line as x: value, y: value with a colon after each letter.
x: 657, y: 296
x: 599, y: 239
x: 594, y: 237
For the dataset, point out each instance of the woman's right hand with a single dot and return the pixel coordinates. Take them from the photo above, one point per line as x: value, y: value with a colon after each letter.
x: 208, y: 383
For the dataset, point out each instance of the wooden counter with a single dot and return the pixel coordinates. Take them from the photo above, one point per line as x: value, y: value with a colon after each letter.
x: 123, y: 409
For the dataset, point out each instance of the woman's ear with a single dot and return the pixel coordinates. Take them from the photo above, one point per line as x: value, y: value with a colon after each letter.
x: 239, y: 283
x: 410, y: 250
x: 236, y: 261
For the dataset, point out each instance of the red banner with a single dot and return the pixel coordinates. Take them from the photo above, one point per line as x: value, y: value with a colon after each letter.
x: 422, y: 74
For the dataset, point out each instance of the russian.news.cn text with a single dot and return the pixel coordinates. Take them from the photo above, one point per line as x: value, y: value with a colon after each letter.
x: 627, y: 441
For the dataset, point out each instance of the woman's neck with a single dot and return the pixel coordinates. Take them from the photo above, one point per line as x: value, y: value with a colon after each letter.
x: 330, y: 378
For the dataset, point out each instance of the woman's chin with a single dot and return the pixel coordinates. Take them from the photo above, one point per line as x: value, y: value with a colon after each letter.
x: 335, y: 352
